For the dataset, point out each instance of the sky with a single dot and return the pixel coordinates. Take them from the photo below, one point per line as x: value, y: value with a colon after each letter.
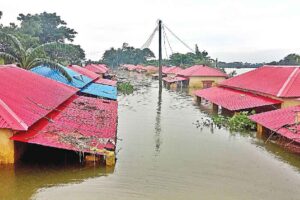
x: 230, y: 30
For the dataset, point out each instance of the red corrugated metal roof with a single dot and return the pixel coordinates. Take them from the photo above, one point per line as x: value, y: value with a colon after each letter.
x: 151, y: 68
x: 201, y: 70
x: 80, y: 124
x: 106, y: 82
x: 174, y: 79
x: 26, y: 97
x: 280, y: 81
x: 281, y: 121
x: 233, y: 99
x: 165, y: 69
x: 84, y: 71
x: 172, y: 70
x: 97, y: 68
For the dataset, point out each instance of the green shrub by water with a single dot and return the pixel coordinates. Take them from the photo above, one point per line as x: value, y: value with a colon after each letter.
x: 239, y: 122
x: 125, y: 88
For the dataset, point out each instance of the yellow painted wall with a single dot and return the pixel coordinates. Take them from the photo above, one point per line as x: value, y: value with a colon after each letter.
x: 7, y: 152
x: 197, y: 82
x: 10, y: 151
x: 289, y: 103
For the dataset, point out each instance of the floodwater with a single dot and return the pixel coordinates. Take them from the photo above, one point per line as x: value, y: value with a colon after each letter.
x: 162, y: 154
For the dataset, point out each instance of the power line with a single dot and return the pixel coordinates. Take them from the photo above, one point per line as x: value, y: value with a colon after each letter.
x: 187, y: 46
x: 148, y: 42
x: 165, y: 46
x: 167, y: 40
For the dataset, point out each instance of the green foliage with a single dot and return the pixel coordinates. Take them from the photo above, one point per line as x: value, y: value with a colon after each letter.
x: 232, y: 74
x: 38, y: 29
x: 291, y: 59
x: 239, y: 65
x: 125, y: 88
x: 48, y: 27
x: 126, y: 55
x: 239, y: 122
x: 220, y: 120
x: 188, y: 59
x: 28, y: 58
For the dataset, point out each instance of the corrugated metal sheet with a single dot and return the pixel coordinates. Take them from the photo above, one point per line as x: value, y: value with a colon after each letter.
x: 151, y: 68
x: 280, y: 81
x: 26, y: 97
x: 281, y: 121
x: 201, y: 70
x: 84, y: 71
x: 100, y: 90
x: 81, y: 124
x: 172, y: 70
x: 106, y: 82
x: 174, y: 79
x: 79, y: 80
x: 97, y: 68
x: 234, y: 100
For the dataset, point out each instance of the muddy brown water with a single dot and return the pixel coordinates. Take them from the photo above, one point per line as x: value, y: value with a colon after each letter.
x: 163, y: 155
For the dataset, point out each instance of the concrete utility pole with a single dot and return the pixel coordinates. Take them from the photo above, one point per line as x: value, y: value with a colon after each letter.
x: 159, y: 55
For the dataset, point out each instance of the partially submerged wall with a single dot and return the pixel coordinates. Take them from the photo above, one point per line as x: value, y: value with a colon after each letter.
x: 197, y: 82
x: 10, y: 151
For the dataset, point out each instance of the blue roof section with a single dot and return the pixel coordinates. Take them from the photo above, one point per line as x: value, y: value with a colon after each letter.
x: 79, y: 80
x: 100, y: 90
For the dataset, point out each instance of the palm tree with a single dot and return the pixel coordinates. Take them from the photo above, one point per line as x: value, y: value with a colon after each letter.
x: 29, y: 58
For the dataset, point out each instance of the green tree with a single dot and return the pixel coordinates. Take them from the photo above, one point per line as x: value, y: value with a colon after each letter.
x: 48, y: 27
x: 291, y: 59
x: 126, y: 55
x: 31, y: 57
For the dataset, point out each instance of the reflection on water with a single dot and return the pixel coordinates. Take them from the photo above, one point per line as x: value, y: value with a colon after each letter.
x: 157, y: 122
x: 165, y: 156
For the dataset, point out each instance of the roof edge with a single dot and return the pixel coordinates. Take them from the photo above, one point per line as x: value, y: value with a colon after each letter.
x: 14, y: 117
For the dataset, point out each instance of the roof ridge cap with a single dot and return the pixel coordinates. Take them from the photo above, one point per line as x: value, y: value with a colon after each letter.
x: 13, y: 114
x: 290, y: 79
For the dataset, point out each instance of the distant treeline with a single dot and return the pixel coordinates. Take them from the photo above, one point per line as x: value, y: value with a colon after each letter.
x: 239, y: 65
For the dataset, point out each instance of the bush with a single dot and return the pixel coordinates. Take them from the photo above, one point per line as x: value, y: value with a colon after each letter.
x: 239, y: 122
x: 125, y: 88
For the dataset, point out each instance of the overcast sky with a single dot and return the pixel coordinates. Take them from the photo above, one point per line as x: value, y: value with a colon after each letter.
x: 230, y: 30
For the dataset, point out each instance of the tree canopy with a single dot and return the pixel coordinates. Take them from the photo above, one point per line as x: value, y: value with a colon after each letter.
x: 48, y: 27
x: 38, y: 29
x: 291, y: 59
x: 15, y: 52
x: 126, y: 55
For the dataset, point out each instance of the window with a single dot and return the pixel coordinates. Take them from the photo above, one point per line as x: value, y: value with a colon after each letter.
x: 207, y: 84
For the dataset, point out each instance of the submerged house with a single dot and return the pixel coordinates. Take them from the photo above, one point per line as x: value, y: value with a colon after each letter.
x: 85, y: 84
x: 200, y: 76
x: 263, y: 89
x: 283, y: 122
x: 100, y: 69
x: 171, y: 71
x: 95, y: 77
x: 38, y: 110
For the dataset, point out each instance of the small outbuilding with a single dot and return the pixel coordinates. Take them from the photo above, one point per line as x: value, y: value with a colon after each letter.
x: 283, y: 122
x: 201, y: 76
